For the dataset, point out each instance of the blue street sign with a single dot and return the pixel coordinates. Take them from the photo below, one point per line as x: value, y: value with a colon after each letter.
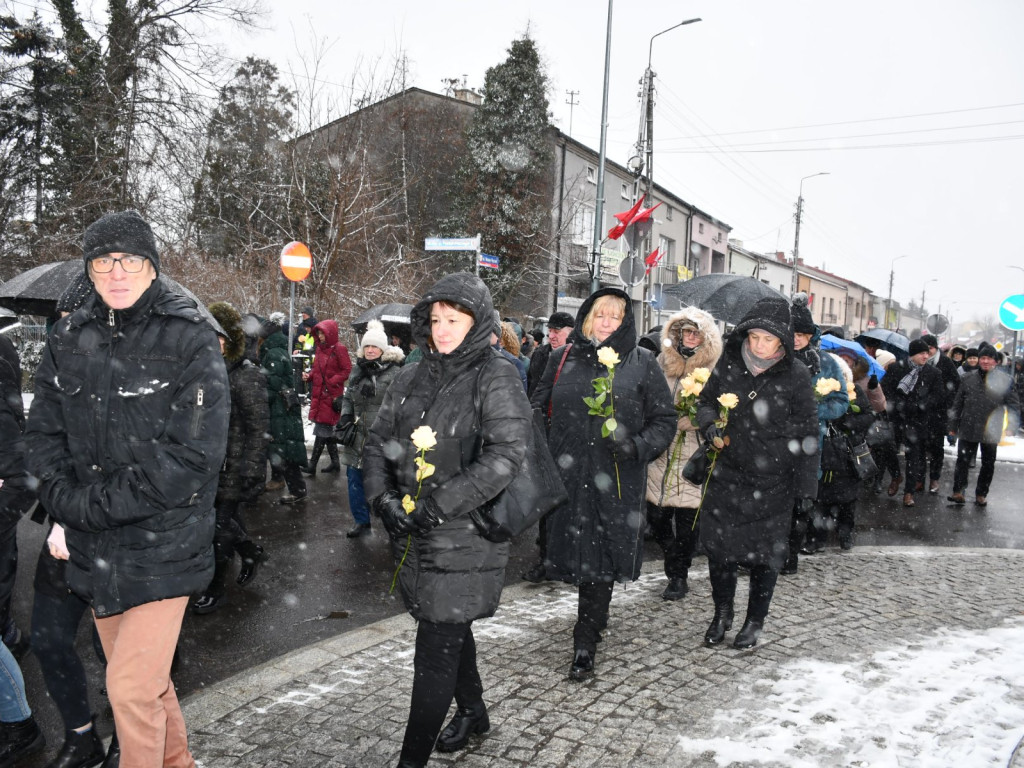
x: 1011, y: 312
x: 489, y: 261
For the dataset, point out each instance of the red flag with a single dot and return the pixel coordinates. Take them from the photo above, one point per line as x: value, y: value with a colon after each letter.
x: 652, y: 260
x: 639, y: 226
x: 625, y: 218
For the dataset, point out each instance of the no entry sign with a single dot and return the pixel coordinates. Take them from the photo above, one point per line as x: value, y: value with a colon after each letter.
x: 296, y: 261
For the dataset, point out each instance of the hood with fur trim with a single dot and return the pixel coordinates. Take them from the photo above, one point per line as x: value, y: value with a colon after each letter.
x: 705, y: 356
x: 231, y: 321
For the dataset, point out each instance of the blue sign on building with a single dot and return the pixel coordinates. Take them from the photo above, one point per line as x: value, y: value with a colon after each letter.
x: 1011, y: 312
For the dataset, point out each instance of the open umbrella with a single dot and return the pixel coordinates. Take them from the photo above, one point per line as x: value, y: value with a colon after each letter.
x: 7, y: 317
x: 896, y: 343
x: 394, y: 317
x: 727, y: 298
x: 830, y: 343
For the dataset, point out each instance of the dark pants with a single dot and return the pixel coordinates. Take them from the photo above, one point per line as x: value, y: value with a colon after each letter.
x: 762, y: 587
x: 915, y: 454
x: 294, y: 479
x: 592, y: 614
x: 444, y: 668
x: 228, y: 537
x: 934, y: 444
x: 55, y: 621
x: 797, y: 531
x: 888, y: 460
x: 673, y: 528
x: 828, y: 517
x: 965, y: 452
x: 319, y: 443
x: 8, y: 571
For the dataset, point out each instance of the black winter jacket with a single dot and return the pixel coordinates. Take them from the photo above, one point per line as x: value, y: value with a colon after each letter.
x: 127, y: 435
x: 473, y: 399
x: 912, y: 411
x: 598, y: 535
x: 16, y: 495
x: 981, y: 403
x: 248, y: 431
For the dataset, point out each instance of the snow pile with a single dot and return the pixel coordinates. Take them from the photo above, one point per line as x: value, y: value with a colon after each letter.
x: 957, y: 698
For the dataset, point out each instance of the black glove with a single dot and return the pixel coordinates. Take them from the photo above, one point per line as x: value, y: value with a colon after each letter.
x: 714, y: 435
x: 368, y: 388
x: 624, y: 449
x: 252, y: 487
x: 388, y: 507
x: 804, y: 505
x: 427, y: 516
x: 873, y: 382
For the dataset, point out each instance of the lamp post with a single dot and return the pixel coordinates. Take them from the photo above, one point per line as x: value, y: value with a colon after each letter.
x: 595, y: 253
x: 796, y: 237
x: 923, y: 315
x: 645, y: 144
x: 888, y: 301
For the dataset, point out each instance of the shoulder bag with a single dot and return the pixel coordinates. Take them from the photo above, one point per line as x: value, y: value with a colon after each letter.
x: 880, y: 432
x: 863, y: 462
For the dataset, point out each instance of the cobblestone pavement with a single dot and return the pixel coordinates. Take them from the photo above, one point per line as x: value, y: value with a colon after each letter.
x: 659, y: 694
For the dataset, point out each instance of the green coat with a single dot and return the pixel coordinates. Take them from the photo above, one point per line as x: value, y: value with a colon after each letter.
x: 287, y: 440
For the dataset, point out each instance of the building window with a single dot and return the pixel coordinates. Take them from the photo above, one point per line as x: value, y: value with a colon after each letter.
x: 625, y: 192
x: 668, y: 213
x: 667, y: 246
x: 591, y: 174
x: 700, y: 227
x: 583, y: 225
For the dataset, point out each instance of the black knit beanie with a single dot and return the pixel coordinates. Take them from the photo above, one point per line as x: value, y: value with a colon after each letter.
x: 987, y: 350
x: 124, y: 232
x: 803, y: 322
x: 917, y: 346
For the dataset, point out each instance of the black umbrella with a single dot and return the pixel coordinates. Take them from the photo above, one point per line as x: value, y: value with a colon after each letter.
x: 892, y: 341
x: 394, y: 316
x: 727, y: 298
x: 7, y: 317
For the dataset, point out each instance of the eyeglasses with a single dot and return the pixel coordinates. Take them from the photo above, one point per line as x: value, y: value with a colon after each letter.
x: 690, y: 332
x: 129, y: 263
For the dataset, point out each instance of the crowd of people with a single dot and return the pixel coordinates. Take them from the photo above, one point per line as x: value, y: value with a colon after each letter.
x: 153, y: 425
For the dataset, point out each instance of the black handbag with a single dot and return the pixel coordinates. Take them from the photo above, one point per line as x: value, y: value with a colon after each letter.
x: 345, y: 434
x: 698, y: 465
x: 880, y: 432
x: 836, y: 455
x: 863, y: 462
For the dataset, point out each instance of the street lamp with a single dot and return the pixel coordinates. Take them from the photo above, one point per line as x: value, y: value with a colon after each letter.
x: 923, y: 315
x: 796, y: 238
x: 888, y: 301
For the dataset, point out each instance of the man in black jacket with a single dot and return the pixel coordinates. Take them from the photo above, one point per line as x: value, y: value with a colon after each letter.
x: 935, y: 441
x: 126, y: 436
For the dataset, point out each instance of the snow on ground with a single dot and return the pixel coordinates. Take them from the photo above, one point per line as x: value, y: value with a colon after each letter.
x: 955, y: 698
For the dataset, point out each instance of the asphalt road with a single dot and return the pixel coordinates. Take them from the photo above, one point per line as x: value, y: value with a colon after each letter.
x: 317, y: 583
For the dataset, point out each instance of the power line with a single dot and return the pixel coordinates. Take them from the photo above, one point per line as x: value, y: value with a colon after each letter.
x: 713, y: 149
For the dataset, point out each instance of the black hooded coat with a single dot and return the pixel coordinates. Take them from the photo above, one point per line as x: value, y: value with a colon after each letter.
x: 473, y: 399
x: 772, y: 456
x: 596, y: 535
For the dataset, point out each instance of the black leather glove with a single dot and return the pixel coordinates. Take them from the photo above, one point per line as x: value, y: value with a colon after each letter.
x: 624, y: 449
x: 714, y: 435
x: 388, y: 507
x: 873, y: 382
x: 427, y: 516
x: 368, y: 388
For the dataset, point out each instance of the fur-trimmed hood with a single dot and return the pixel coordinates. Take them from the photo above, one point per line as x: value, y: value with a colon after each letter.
x: 706, y: 355
x: 390, y: 354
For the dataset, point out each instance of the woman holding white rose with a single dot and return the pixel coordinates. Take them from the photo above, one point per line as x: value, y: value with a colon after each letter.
x: 450, y: 435
x: 596, y: 537
x: 690, y: 346
x: 767, y: 461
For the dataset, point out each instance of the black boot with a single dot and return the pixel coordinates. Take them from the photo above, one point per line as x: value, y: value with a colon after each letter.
x: 113, y: 753
x: 582, y: 665
x: 19, y: 740
x: 719, y: 624
x: 318, y: 448
x: 252, y: 555
x: 467, y: 722
x: 80, y: 750
x: 747, y: 636
x: 335, y: 466
x: 676, y: 590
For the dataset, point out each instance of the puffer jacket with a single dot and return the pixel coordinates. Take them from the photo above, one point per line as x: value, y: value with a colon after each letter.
x: 127, y: 435
x: 474, y: 400
x: 672, y: 489
x: 331, y: 369
x: 364, y: 393
x: 16, y: 494
x: 981, y: 406
x: 248, y: 430
x: 287, y: 439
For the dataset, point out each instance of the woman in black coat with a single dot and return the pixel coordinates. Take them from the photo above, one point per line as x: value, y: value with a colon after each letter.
x: 769, y: 464
x: 449, y: 574
x: 596, y: 537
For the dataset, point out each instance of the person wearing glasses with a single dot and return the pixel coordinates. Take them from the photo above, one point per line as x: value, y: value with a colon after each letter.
x: 126, y: 436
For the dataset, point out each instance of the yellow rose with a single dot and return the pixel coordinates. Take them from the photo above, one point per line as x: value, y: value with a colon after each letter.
x: 607, y: 357
x: 728, y: 401
x: 424, y: 438
x: 408, y: 504
x: 825, y: 386
x: 702, y: 375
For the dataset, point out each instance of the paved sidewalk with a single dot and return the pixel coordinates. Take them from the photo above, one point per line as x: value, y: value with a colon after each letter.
x: 660, y: 698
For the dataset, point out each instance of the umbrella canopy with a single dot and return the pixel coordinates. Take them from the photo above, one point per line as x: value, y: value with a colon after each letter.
x: 896, y: 343
x: 37, y: 291
x: 394, y: 317
x: 7, y: 317
x: 831, y: 343
x: 727, y: 298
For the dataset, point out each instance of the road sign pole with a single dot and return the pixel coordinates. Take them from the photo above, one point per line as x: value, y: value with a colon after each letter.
x: 291, y: 316
x: 477, y: 263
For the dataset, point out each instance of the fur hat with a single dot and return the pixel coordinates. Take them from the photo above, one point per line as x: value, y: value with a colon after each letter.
x: 272, y: 325
x: 76, y: 294
x: 972, y: 352
x: 561, y: 320
x: 803, y: 322
x: 987, y: 350
x: 124, y: 232
x: 917, y: 346
x: 231, y: 322
x: 374, y: 336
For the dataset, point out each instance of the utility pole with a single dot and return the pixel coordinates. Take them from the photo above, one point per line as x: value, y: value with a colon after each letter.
x: 796, y: 238
x: 571, y: 101
x: 595, y: 254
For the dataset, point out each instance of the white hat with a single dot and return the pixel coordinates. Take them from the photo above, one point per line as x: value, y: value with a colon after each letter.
x: 374, y: 336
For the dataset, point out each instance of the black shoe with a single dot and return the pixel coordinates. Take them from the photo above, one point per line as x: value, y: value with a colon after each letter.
x: 472, y: 721
x: 360, y: 529
x: 747, y: 636
x: 331, y: 468
x: 19, y: 644
x: 719, y: 624
x: 846, y: 542
x: 80, y: 750
x: 811, y: 548
x: 536, y: 575
x: 309, y: 471
x: 790, y: 566
x: 582, y: 665
x: 252, y: 556
x: 676, y: 589
x: 19, y: 740
x: 292, y: 498
x: 113, y: 753
x: 207, y: 604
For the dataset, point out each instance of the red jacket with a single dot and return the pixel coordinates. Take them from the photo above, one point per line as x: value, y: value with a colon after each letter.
x: 331, y: 367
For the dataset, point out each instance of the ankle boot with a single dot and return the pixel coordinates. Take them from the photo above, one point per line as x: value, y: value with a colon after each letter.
x: 467, y: 721
x: 252, y: 555
x: 747, y: 636
x: 318, y: 448
x: 18, y: 740
x: 582, y: 665
x: 719, y: 624
x: 113, y: 752
x: 80, y: 750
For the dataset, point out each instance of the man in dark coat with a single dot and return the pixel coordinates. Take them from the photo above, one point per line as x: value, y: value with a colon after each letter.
x: 768, y: 466
x: 934, y: 445
x: 126, y: 436
x: 985, y: 400
x: 913, y: 389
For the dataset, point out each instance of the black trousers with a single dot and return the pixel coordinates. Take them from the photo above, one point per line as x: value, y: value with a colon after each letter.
x: 294, y: 479
x: 444, y: 668
x: 915, y: 453
x: 965, y: 452
x: 829, y: 517
x: 673, y: 529
x: 228, y: 537
x: 319, y: 443
x: 762, y: 587
x: 934, y: 445
x: 592, y: 614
